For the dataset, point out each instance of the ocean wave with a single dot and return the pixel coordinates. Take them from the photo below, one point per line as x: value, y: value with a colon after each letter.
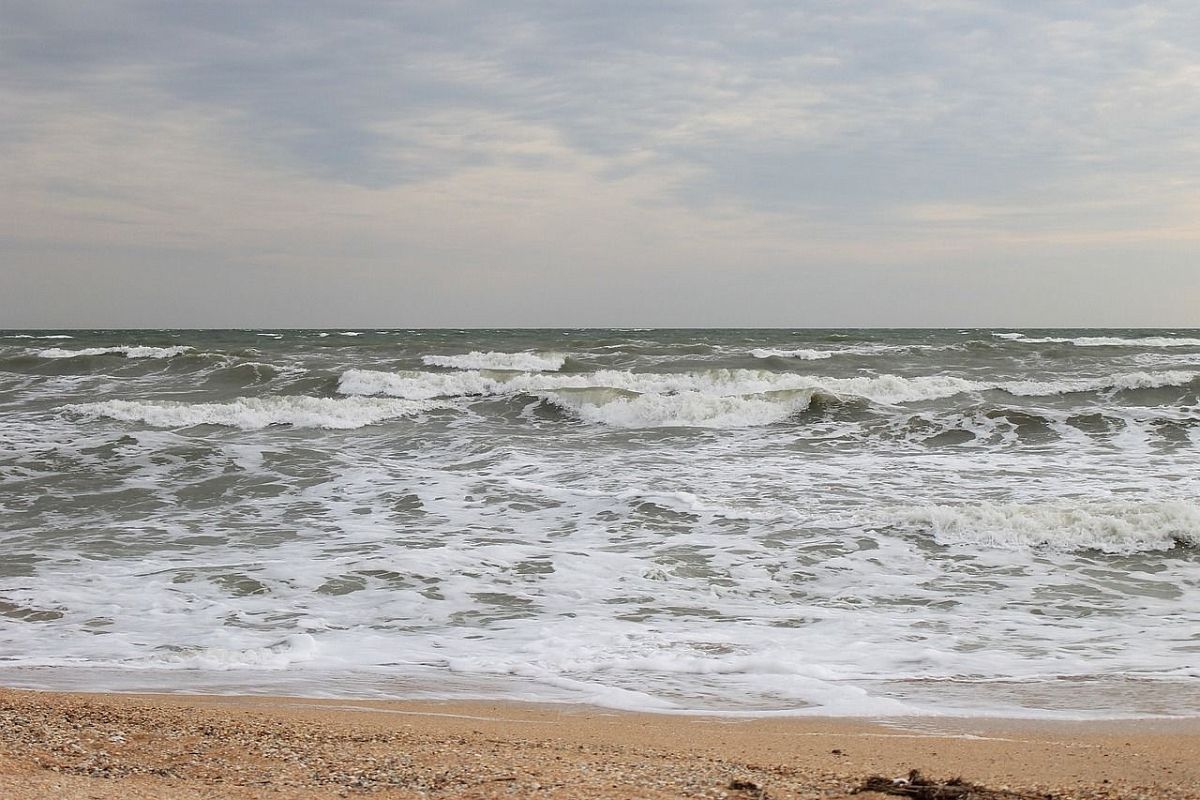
x: 1106, y: 341
x: 714, y: 398
x: 129, y: 351
x: 418, y: 385
x: 802, y: 354
x: 808, y: 354
x: 1119, y: 382
x: 1110, y: 527
x: 252, y: 413
x: 691, y: 409
x: 516, y: 362
x: 293, y: 649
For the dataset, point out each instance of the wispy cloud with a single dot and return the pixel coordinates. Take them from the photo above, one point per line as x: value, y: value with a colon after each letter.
x: 550, y: 150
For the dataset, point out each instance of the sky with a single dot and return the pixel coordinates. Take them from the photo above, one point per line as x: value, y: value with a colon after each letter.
x: 700, y: 164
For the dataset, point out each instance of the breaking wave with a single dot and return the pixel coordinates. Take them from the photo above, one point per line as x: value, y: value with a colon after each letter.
x: 418, y: 385
x: 621, y: 409
x: 514, y: 362
x: 808, y: 354
x: 1110, y: 527
x: 802, y: 354
x: 1105, y: 341
x: 252, y: 413
x: 134, y: 351
x: 886, y: 389
x: 293, y: 649
x: 1123, y: 381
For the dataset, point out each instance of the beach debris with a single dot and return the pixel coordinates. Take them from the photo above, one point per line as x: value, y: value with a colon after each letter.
x: 751, y: 788
x: 923, y: 788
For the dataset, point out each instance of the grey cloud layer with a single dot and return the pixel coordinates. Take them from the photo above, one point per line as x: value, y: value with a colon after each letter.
x: 810, y: 128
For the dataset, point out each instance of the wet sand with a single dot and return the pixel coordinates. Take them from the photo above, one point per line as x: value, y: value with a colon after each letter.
x: 102, y: 746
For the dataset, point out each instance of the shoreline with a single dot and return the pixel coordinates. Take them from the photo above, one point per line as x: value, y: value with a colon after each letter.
x: 67, y: 745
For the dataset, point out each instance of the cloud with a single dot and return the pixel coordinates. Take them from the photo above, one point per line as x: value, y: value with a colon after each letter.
x: 546, y: 150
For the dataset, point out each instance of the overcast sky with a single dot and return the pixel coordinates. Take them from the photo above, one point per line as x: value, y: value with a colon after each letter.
x: 209, y: 164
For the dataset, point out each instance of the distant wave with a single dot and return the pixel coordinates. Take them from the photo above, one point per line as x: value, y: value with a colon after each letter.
x: 802, y: 354
x: 517, y: 362
x: 251, y: 413
x: 886, y: 389
x: 708, y: 399
x: 1110, y: 527
x: 1123, y: 381
x: 808, y: 354
x: 1104, y: 341
x: 418, y: 385
x: 133, y: 351
x: 691, y: 409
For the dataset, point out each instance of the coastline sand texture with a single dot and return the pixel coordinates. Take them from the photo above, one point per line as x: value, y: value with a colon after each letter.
x: 103, y: 746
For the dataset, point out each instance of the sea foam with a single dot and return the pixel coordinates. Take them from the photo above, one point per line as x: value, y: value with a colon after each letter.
x: 1108, y: 341
x: 129, y: 351
x: 712, y: 398
x: 1110, y: 527
x: 516, y: 362
x: 251, y: 413
x: 688, y: 409
x: 803, y: 354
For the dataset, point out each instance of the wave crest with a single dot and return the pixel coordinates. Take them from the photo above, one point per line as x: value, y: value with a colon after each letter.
x: 691, y: 409
x: 1112, y: 527
x: 717, y: 383
x: 1104, y: 341
x: 803, y: 354
x: 252, y: 413
x: 129, y: 351
x: 512, y: 362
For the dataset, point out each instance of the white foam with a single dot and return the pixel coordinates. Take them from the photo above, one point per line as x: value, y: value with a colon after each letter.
x: 1111, y: 527
x: 715, y: 383
x: 129, y: 351
x: 1123, y: 381
x: 1009, y: 335
x: 517, y: 362
x: 296, y: 648
x: 415, y: 385
x: 252, y: 413
x: 1112, y: 341
x: 689, y: 409
x: 808, y: 354
x: 802, y: 354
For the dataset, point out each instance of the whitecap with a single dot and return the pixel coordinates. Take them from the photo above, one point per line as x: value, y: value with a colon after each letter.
x: 716, y: 383
x: 1111, y: 527
x: 1127, y: 380
x: 688, y: 409
x: 1114, y: 341
x: 802, y: 354
x: 251, y: 413
x: 129, y: 351
x: 517, y: 362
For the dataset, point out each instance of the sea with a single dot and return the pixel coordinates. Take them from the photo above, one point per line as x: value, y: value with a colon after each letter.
x: 881, y: 523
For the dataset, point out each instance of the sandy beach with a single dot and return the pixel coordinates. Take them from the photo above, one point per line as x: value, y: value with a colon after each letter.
x: 70, y: 746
